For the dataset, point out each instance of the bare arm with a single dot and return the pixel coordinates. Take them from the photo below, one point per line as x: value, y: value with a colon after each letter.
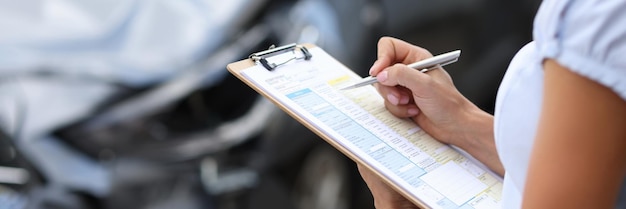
x: 579, y: 155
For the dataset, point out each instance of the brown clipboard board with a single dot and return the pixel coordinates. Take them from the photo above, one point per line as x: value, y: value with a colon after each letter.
x: 236, y: 69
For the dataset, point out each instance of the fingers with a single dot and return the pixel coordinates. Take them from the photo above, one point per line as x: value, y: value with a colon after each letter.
x: 395, y: 95
x: 392, y: 50
x: 384, y: 195
x: 402, y: 111
x: 373, y: 182
x: 398, y: 101
x: 401, y: 75
x: 380, y: 190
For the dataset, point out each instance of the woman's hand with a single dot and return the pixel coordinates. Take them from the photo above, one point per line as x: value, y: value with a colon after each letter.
x: 384, y: 196
x: 430, y: 99
x: 433, y: 102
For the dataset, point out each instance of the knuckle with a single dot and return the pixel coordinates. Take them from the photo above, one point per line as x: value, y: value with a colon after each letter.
x: 423, y: 51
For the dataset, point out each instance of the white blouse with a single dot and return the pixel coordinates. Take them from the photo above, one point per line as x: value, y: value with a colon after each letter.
x: 589, y: 38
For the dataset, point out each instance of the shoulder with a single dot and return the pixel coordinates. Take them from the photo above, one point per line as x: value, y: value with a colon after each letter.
x: 586, y: 36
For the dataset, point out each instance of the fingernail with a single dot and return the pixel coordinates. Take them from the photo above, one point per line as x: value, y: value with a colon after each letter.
x: 413, y: 111
x: 393, y: 99
x: 382, y: 76
x: 373, y: 67
x: 404, y: 99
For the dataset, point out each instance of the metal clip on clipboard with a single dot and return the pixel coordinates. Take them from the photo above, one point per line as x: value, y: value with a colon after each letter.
x: 299, y: 52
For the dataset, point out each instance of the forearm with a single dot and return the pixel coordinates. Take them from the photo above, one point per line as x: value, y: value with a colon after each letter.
x: 477, y: 138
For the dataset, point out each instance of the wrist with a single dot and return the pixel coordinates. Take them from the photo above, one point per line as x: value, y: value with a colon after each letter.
x: 477, y: 138
x: 475, y: 128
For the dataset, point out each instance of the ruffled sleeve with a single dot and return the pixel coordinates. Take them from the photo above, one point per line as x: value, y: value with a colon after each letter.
x: 588, y: 37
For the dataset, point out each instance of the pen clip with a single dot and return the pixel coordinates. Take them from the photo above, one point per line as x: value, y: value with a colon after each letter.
x: 439, y: 65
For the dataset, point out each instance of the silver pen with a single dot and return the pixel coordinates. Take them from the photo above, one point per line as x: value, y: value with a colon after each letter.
x: 422, y: 65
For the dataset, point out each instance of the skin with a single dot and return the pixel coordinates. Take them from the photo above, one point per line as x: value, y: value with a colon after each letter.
x: 578, y: 116
x: 582, y: 133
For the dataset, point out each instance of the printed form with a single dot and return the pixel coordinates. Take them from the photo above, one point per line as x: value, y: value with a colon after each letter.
x: 434, y: 173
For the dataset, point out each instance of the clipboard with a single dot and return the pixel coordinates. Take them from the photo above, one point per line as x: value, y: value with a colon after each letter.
x: 304, y: 81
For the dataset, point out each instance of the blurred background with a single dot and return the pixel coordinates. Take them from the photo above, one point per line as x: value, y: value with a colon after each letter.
x: 128, y: 104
